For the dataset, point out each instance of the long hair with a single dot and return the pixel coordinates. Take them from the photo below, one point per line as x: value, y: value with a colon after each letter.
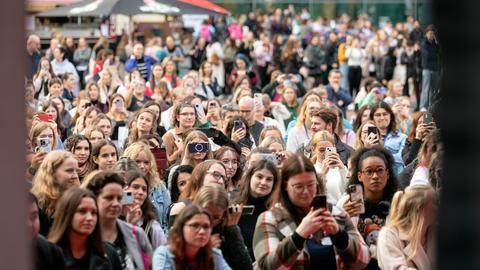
x: 98, y: 147
x: 222, y: 151
x: 320, y: 136
x: 245, y: 190
x: 35, y: 131
x: 358, y: 135
x: 215, y: 197
x: 71, y: 144
x: 62, y: 220
x: 377, y: 151
x: 198, y: 175
x: 134, y: 150
x: 147, y: 207
x: 177, y: 110
x: 196, y: 134
x: 44, y: 185
x: 294, y: 165
x: 392, y: 127
x: 173, y: 187
x: 59, y: 118
x: 358, y: 119
x: 133, y: 134
x: 178, y: 244
x: 269, y: 128
x: 99, y: 117
x: 406, y: 213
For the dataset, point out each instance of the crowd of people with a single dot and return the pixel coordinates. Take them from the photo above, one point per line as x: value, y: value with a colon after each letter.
x: 266, y: 141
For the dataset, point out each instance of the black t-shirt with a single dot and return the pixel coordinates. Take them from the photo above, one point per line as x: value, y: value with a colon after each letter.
x: 84, y: 262
x: 137, y: 104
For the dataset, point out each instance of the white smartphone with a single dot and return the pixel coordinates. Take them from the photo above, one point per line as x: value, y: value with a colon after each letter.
x: 199, y: 109
x: 330, y: 150
x: 44, y: 145
x: 127, y: 197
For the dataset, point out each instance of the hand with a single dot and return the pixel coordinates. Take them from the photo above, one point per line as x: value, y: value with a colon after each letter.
x: 134, y: 213
x: 323, y: 67
x: 234, y: 214
x: 37, y: 159
x: 245, y: 152
x: 329, y: 224
x: 311, y: 223
x: 216, y: 240
x: 241, y: 72
x: 280, y: 78
x: 178, y: 143
x: 421, y: 131
x: 353, y: 208
x: 371, y: 140
x: 238, y: 134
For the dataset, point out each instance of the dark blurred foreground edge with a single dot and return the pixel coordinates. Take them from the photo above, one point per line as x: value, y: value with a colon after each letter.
x: 459, y: 35
x: 13, y: 247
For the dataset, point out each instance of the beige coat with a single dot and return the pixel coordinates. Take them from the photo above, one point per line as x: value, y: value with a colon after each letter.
x: 393, y: 249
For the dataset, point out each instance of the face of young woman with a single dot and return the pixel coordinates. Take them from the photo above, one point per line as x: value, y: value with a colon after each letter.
x: 197, y: 230
x: 182, y: 181
x: 215, y: 176
x: 381, y: 118
x: 90, y: 117
x: 207, y: 69
x: 374, y: 174
x: 58, y: 103
x: 170, y: 68
x: 365, y: 134
x: 365, y: 116
x: 310, y: 107
x: 301, y: 189
x: 110, y: 201
x: 94, y: 93
x: 240, y: 64
x: 95, y: 137
x: 186, y: 117
x: 106, y: 158
x: 82, y: 152
x: 143, y: 162
x: 230, y: 161
x: 397, y: 89
x: 320, y: 149
x: 145, y: 122
x: 261, y: 183
x: 289, y: 95
x: 66, y: 175
x: 157, y: 72
x: 276, y: 147
x: 52, y: 112
x: 139, y: 88
x: 106, y: 127
x: 55, y: 90
x: 69, y: 83
x: 85, y: 217
x: 139, y: 189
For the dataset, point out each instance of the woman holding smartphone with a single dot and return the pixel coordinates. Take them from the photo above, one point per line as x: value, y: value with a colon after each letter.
x: 118, y: 114
x: 43, y: 139
x: 131, y: 243
x: 213, y: 113
x: 367, y: 135
x: 76, y: 229
x: 189, y: 245
x: 372, y: 172
x: 296, y: 233
x: 41, y: 79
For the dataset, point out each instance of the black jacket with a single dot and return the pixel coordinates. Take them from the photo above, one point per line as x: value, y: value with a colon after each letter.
x: 430, y: 53
x: 48, y: 255
x: 109, y: 261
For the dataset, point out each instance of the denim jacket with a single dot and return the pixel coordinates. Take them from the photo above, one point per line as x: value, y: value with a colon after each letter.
x: 394, y: 143
x: 161, y: 201
x: 163, y: 259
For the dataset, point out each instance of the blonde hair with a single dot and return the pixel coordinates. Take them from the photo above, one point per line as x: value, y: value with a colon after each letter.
x: 390, y: 84
x: 196, y: 134
x: 320, y: 136
x: 134, y: 150
x: 406, y: 213
x: 358, y: 135
x: 267, y: 142
x: 35, y: 131
x: 88, y: 178
x: 44, y: 185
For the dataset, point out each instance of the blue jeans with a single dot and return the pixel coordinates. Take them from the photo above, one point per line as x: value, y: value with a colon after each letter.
x: 344, y: 71
x: 429, y: 88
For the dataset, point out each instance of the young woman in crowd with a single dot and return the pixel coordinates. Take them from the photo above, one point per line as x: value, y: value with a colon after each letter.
x: 56, y: 174
x: 170, y: 73
x: 102, y: 122
x: 76, y: 229
x: 289, y: 99
x: 363, y: 115
x: 393, y: 140
x: 365, y: 138
x: 329, y: 166
x: 214, y: 109
x: 157, y: 109
x: 104, y: 155
x: 416, y: 137
x: 142, y: 123
x: 189, y: 244
x: 141, y: 154
x: 94, y: 135
x: 51, y: 109
x: 156, y: 76
x: 118, y: 114
x: 300, y: 133
x: 408, y: 239
x: 372, y: 170
x: 347, y: 136
x: 141, y: 212
x: 290, y: 234
x: 231, y: 160
x: 96, y: 98
x: 63, y: 112
x: 225, y: 232
x: 184, y: 117
x: 42, y: 78
x: 85, y: 120
x: 180, y: 179
x: 81, y: 147
x: 271, y: 131
x: 256, y: 190
x: 40, y: 130
x: 239, y: 133
x: 131, y: 242
x: 135, y: 97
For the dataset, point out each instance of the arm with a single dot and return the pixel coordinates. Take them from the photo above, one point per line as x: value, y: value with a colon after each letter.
x: 345, y: 96
x: 300, y: 89
x: 130, y: 65
x: 234, y: 248
x: 390, y: 251
x: 270, y: 251
x: 269, y: 89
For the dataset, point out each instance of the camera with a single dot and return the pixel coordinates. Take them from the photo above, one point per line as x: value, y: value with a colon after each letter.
x: 194, y: 148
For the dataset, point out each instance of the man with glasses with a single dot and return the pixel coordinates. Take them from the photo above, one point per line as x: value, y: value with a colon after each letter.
x: 247, y: 111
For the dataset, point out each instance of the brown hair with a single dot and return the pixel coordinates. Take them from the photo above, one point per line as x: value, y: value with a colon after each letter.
x: 198, y: 175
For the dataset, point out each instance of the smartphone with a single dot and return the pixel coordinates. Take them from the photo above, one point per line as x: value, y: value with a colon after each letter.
x: 330, y: 151
x: 372, y: 130
x: 160, y: 155
x: 127, y: 197
x: 44, y: 117
x: 237, y: 124
x: 270, y: 157
x: 427, y: 118
x: 44, y: 145
x: 258, y: 97
x: 199, y: 109
x: 248, y: 210
x: 356, y: 194
x: 194, y: 148
x: 319, y: 201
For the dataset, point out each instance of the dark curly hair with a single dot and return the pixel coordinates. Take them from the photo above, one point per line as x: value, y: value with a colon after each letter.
x: 377, y: 151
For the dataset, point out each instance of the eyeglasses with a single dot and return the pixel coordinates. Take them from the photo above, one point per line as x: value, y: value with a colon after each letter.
x: 380, y: 171
x: 187, y: 114
x: 196, y: 227
x: 300, y: 188
x: 218, y: 176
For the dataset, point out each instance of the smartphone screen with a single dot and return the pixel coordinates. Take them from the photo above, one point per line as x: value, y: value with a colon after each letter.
x: 427, y: 118
x: 248, y: 210
x: 372, y: 130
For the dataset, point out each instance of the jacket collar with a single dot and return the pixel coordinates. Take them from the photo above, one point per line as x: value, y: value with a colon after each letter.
x: 422, y: 260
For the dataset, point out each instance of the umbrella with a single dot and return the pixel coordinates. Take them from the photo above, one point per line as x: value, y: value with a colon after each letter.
x: 106, y: 7
x: 127, y: 7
